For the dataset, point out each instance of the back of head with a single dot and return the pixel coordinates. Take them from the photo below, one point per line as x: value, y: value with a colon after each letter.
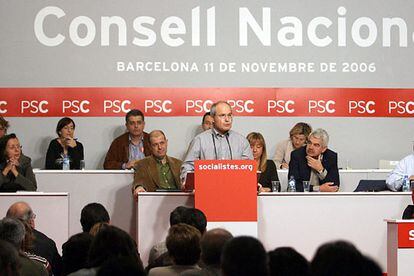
x: 212, y: 244
x: 195, y: 218
x: 286, y: 261
x: 91, y: 214
x: 124, y: 266
x: 75, y: 252
x: 183, y: 244
x: 177, y: 215
x: 244, y: 256
x: 112, y: 243
x: 370, y: 267
x: 9, y: 263
x: 20, y: 210
x: 12, y: 231
x: 339, y: 258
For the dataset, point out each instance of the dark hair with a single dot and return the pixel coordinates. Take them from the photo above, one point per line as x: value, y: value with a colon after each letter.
x: 205, y: 115
x: 212, y: 244
x: 195, y: 218
x: 91, y: 214
x: 64, y: 122
x: 112, y: 243
x: 3, y: 123
x: 134, y: 112
x: 370, y: 267
x: 339, y: 258
x: 9, y: 260
x: 286, y: 261
x: 75, y: 252
x: 125, y: 266
x: 408, y: 212
x: 244, y: 256
x: 176, y: 216
x: 183, y: 244
x: 3, y: 145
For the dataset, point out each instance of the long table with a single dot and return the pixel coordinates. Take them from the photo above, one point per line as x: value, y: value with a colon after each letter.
x: 51, y: 209
x: 300, y: 220
x: 112, y: 188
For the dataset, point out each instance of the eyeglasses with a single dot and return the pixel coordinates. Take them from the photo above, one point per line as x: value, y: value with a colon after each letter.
x: 14, y: 147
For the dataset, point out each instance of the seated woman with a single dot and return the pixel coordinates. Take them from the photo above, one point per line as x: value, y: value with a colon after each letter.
x: 298, y: 136
x: 267, y: 167
x: 64, y: 145
x: 16, y: 169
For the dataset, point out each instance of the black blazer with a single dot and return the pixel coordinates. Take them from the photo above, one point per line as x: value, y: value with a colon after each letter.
x: 298, y: 167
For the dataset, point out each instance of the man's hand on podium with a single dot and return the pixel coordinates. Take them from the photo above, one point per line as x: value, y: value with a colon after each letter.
x: 328, y: 187
x: 138, y: 189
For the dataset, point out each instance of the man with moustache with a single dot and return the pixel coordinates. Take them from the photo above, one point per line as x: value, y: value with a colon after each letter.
x: 315, y: 163
x: 157, y: 171
x: 219, y: 143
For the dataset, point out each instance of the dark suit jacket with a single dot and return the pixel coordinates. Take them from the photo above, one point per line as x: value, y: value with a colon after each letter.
x: 45, y: 247
x: 146, y: 173
x: 118, y: 152
x: 298, y: 167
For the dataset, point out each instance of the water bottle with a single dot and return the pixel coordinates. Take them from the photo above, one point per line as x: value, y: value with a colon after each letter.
x: 406, y: 184
x: 291, y: 184
x: 65, y: 163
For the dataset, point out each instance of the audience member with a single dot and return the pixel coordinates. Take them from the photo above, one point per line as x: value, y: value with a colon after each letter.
x: 183, y: 244
x: 64, y: 146
x: 404, y: 167
x: 207, y: 122
x: 315, y: 163
x: 124, y: 266
x: 190, y: 216
x: 219, y: 143
x: 42, y: 245
x: 157, y: 171
x: 244, y: 256
x: 110, y: 243
x: 16, y: 168
x: 9, y: 259
x: 265, y: 166
x: 297, y: 139
x: 212, y: 244
x: 91, y: 214
x: 176, y: 216
x: 12, y: 231
x: 75, y: 252
x: 131, y: 146
x: 338, y: 258
x: 286, y: 261
x: 4, y: 125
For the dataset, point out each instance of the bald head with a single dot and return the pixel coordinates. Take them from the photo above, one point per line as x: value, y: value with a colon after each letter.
x: 212, y: 244
x: 21, y: 210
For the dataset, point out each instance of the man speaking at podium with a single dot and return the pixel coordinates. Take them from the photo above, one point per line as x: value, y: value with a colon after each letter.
x: 218, y: 143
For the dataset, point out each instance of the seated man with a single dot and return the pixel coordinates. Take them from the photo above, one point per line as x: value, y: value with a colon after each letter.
x: 315, y: 163
x: 42, y: 245
x: 131, y: 146
x: 220, y: 143
x: 157, y: 171
x: 207, y: 122
x: 404, y: 167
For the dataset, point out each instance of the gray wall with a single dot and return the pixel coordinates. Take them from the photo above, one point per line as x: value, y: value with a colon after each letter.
x: 361, y: 141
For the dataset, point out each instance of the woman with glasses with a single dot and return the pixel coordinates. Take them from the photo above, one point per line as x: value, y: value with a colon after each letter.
x: 64, y: 147
x: 16, y: 168
x: 298, y: 136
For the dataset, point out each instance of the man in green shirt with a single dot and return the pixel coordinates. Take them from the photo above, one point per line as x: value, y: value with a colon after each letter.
x: 157, y: 171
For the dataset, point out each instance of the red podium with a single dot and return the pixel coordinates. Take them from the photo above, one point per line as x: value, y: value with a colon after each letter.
x: 400, y: 247
x: 226, y: 191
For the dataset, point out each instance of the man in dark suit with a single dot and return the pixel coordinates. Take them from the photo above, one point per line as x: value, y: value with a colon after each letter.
x: 157, y: 171
x: 42, y: 245
x: 315, y: 163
